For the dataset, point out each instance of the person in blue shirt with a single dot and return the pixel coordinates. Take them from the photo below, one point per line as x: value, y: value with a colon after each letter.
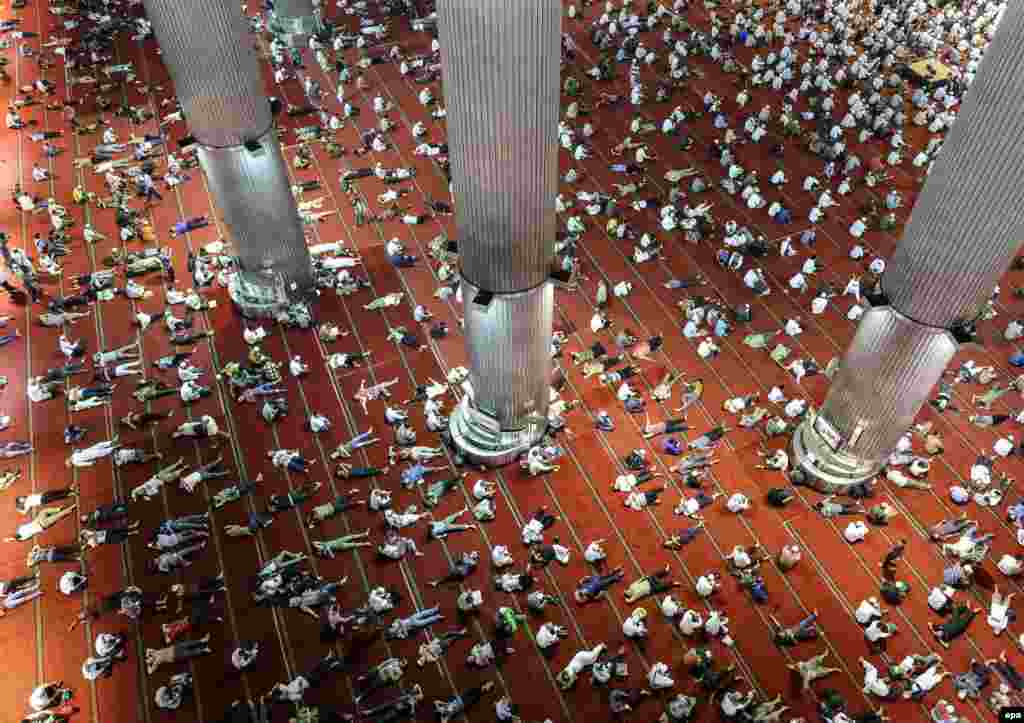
x: 754, y: 584
x: 190, y: 224
x: 402, y: 260
x: 683, y: 537
x: 1015, y: 513
x: 593, y: 586
x: 414, y: 475
x: 784, y: 216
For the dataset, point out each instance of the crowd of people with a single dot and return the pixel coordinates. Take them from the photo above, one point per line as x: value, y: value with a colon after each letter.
x: 845, y: 64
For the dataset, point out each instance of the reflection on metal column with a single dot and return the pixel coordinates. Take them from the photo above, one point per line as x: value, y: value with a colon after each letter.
x: 210, y: 54
x: 253, y: 192
x: 510, y: 358
x: 964, y: 230
x: 890, y: 368
x: 500, y: 62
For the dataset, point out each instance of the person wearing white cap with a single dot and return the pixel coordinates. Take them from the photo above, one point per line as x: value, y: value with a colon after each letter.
x: 244, y: 655
x: 855, y: 532
x: 737, y: 503
x: 867, y: 611
x: 110, y: 645
x: 904, y: 482
x: 874, y: 683
x: 595, y: 552
x: 1004, y: 446
x: 660, y: 677
x: 72, y: 582
x: 1010, y: 565
x: 97, y: 667
x: 943, y: 712
x: 670, y: 607
x: 49, y: 695
x: 999, y: 611
x: 634, y: 627
x: 170, y: 696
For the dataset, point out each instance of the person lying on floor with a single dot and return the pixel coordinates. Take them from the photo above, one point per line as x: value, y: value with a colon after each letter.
x: 235, y: 492
x: 173, y: 560
x: 341, y: 503
x: 91, y: 539
x: 188, y: 225
x: 185, y: 650
x: 330, y: 548
x: 386, y: 673
x: 460, y: 704
x: 130, y: 602
x: 44, y: 519
x: 26, y: 504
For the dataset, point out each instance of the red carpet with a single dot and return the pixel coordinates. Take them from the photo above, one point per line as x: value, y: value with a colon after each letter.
x: 833, y: 578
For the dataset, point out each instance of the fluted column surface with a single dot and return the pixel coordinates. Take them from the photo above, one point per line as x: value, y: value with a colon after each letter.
x: 253, y: 193
x: 884, y: 379
x: 500, y: 62
x: 510, y: 353
x: 969, y: 220
x: 208, y: 50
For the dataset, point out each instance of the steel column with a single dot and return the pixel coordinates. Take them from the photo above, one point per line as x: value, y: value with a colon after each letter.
x: 510, y: 362
x: 500, y: 62
x: 248, y: 184
x: 210, y: 54
x: 963, y: 233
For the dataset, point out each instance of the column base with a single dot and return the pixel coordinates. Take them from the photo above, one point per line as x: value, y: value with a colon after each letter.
x: 825, y: 469
x: 480, y: 439
x: 258, y: 295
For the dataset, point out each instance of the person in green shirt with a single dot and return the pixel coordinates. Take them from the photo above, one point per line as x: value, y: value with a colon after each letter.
x: 779, y: 496
x: 330, y: 548
x: 347, y: 471
x: 880, y: 514
x: 759, y: 340
x: 507, y: 623
x: 779, y: 354
x: 440, y: 488
x: 894, y: 591
x: 955, y: 625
